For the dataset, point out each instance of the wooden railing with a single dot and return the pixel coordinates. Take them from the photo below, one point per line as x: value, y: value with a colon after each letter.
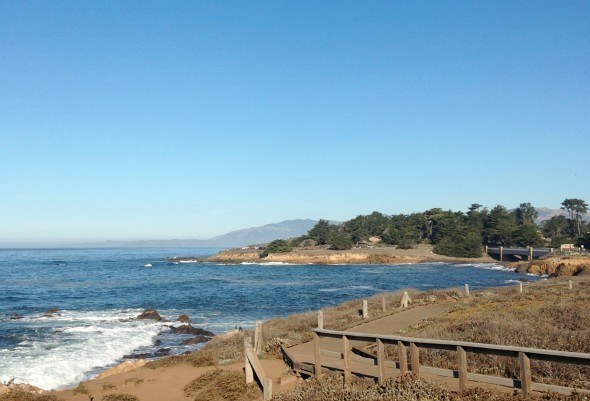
x: 253, y: 366
x: 461, y: 348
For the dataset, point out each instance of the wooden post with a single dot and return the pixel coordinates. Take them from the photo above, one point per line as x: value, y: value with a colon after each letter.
x: 383, y: 303
x: 462, y: 361
x: 501, y: 253
x: 403, y: 358
x: 365, y: 309
x: 346, y: 357
x: 317, y: 351
x: 320, y: 319
x: 405, y: 300
x: 267, y: 389
x: 415, y: 359
x: 467, y: 289
x: 520, y: 287
x: 530, y: 253
x: 380, y: 361
x: 486, y: 249
x: 526, y: 381
x: 247, y: 366
x: 569, y: 284
x: 258, y: 338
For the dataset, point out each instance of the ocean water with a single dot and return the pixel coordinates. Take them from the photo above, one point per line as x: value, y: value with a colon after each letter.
x: 99, y: 292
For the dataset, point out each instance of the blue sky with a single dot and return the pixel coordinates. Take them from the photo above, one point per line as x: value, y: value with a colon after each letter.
x: 144, y: 120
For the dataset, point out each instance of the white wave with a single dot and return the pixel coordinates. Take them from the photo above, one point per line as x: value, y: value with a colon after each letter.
x: 330, y: 289
x: 361, y: 287
x: 268, y: 263
x: 94, y: 339
x: 147, y: 265
x: 511, y: 281
x: 187, y: 261
x: 488, y: 266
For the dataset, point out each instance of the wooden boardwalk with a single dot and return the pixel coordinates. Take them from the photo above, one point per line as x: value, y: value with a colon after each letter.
x: 341, y: 351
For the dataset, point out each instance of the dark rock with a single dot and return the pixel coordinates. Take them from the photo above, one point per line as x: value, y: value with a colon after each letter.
x: 137, y: 356
x: 150, y: 314
x: 183, y: 319
x: 162, y: 352
x: 16, y: 316
x: 196, y: 340
x: 157, y: 342
x: 51, y: 312
x: 189, y: 329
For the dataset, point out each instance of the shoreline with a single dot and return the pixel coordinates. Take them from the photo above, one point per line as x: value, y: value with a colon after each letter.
x: 375, y: 255
x: 138, y: 379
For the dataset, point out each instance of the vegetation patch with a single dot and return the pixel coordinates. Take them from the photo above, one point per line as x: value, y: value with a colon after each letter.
x: 120, y: 397
x: 407, y: 388
x: 221, y: 385
x: 21, y: 395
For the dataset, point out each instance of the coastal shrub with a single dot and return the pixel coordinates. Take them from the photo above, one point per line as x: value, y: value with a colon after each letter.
x: 221, y: 385
x: 406, y: 243
x: 120, y: 397
x: 276, y: 246
x: 21, y: 395
x: 340, y: 242
x: 406, y: 388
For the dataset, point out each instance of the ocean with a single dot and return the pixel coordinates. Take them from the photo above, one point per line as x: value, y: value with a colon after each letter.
x: 100, y: 292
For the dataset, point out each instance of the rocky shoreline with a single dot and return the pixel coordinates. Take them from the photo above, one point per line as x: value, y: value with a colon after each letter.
x: 317, y: 255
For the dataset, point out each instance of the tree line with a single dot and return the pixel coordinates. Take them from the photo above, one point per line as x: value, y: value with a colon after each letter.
x: 453, y: 233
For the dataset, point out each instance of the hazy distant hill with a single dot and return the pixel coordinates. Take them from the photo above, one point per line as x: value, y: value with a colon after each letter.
x: 545, y: 214
x: 254, y: 235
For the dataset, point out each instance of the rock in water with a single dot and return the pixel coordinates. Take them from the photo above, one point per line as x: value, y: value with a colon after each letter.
x: 183, y: 319
x: 196, y: 340
x: 151, y: 314
x: 189, y: 329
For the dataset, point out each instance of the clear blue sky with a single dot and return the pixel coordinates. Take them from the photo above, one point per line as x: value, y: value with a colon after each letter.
x: 188, y: 119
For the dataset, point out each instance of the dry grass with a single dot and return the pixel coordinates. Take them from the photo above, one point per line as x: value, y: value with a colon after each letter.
x: 407, y: 388
x: 222, y: 385
x: 21, y: 395
x: 546, y: 317
x: 120, y: 397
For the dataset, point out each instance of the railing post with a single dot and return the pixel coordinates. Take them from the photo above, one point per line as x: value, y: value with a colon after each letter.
x: 346, y: 355
x: 320, y: 319
x: 365, y: 309
x: 415, y: 359
x: 486, y: 249
x: 258, y: 338
x: 380, y: 361
x: 267, y: 389
x: 501, y: 253
x: 569, y: 284
x: 520, y: 287
x: 247, y: 366
x: 405, y: 300
x: 526, y: 382
x: 467, y: 289
x: 317, y: 351
x: 530, y: 253
x: 383, y: 303
x: 403, y: 358
x: 462, y: 361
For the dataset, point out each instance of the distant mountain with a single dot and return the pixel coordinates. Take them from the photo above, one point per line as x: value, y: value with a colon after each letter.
x: 247, y: 236
x: 545, y: 214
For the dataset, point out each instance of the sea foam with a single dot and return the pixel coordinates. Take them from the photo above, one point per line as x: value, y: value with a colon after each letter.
x: 77, y: 344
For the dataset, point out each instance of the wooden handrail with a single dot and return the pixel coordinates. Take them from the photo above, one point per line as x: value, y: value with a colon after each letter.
x: 524, y: 355
x: 253, y: 366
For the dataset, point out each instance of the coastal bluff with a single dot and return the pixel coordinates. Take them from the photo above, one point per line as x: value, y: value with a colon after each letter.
x: 376, y: 255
